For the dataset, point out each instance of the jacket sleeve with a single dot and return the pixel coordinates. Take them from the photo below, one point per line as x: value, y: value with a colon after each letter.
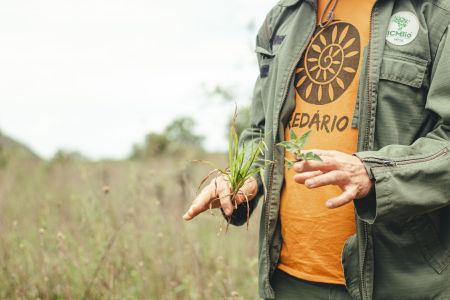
x: 415, y: 179
x: 253, y: 135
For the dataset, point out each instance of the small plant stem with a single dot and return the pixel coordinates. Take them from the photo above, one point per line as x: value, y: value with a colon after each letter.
x: 108, y: 248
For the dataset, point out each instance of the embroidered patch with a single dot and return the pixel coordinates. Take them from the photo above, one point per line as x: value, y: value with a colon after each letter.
x: 278, y: 39
x: 403, y: 28
x: 264, y: 71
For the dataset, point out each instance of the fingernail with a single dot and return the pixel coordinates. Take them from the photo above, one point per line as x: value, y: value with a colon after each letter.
x: 309, y: 184
x: 329, y: 204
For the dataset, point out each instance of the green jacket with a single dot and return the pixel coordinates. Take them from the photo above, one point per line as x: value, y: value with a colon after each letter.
x: 402, y: 246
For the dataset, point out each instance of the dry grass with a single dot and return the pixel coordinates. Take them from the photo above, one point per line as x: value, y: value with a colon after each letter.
x: 114, y: 230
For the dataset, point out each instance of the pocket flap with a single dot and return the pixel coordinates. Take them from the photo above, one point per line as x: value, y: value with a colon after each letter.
x: 263, y: 51
x: 407, y: 70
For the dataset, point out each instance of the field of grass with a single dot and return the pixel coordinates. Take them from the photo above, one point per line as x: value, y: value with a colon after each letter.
x: 71, y: 229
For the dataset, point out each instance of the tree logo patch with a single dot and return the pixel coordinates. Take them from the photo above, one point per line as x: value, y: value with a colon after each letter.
x: 403, y: 28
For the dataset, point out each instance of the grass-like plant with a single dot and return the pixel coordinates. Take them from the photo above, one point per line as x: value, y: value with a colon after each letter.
x: 241, y: 166
x: 295, y: 145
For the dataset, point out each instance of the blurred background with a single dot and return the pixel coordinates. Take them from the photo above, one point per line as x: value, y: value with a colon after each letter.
x: 104, y: 105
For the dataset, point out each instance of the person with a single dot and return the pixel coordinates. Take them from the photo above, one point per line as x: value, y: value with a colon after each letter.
x: 371, y: 220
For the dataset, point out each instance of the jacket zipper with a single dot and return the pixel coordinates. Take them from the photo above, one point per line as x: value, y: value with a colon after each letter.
x: 384, y: 162
x: 271, y: 173
x: 394, y: 163
x: 266, y: 221
x: 366, y: 244
x: 366, y: 147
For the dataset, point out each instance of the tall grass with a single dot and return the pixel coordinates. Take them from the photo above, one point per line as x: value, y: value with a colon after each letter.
x: 113, y: 230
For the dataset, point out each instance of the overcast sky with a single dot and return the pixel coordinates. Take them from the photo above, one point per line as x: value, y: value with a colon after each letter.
x: 96, y: 75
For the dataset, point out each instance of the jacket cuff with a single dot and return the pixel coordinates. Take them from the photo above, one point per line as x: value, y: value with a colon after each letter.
x: 377, y: 204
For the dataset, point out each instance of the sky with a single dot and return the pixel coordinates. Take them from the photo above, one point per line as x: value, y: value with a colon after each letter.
x: 95, y: 76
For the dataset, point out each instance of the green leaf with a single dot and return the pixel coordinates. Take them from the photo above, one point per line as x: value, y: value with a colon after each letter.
x: 299, y: 156
x: 283, y: 144
x: 293, y: 135
x: 289, y: 145
x: 301, y: 141
x: 295, y: 146
x: 289, y: 163
x: 317, y: 157
x: 311, y: 156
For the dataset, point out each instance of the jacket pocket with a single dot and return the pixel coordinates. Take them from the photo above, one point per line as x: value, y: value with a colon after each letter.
x: 427, y: 238
x: 265, y: 60
x: 407, y: 70
x: 350, y: 265
x: 402, y: 97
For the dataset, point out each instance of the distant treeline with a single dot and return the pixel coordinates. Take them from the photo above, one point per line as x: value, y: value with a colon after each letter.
x: 177, y: 138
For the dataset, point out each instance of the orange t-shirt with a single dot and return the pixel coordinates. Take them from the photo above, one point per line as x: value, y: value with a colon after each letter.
x: 326, y: 83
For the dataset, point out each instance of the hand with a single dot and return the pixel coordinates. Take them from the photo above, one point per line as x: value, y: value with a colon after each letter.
x: 218, y: 194
x: 336, y: 168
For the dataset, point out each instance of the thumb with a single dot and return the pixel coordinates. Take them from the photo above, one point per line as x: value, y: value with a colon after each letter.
x: 247, y: 192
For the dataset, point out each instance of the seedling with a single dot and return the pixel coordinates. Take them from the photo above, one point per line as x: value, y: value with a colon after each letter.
x: 295, y: 145
x: 241, y: 166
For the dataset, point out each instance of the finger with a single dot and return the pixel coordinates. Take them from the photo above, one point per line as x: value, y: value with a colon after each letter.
x: 327, y: 164
x: 346, y: 197
x: 319, y: 152
x: 225, y: 198
x: 301, y: 177
x: 200, y: 204
x: 330, y: 178
x: 247, y: 192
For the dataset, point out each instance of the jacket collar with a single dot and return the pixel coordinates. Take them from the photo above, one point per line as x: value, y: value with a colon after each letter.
x: 287, y: 3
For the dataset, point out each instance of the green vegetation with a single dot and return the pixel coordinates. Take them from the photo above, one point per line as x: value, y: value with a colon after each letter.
x: 241, y: 164
x: 295, y: 145
x: 241, y: 161
x: 177, y: 138
x: 74, y: 229
x: 13, y: 150
x: 241, y: 121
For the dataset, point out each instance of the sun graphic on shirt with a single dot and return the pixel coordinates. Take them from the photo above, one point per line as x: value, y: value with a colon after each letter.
x: 329, y: 64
